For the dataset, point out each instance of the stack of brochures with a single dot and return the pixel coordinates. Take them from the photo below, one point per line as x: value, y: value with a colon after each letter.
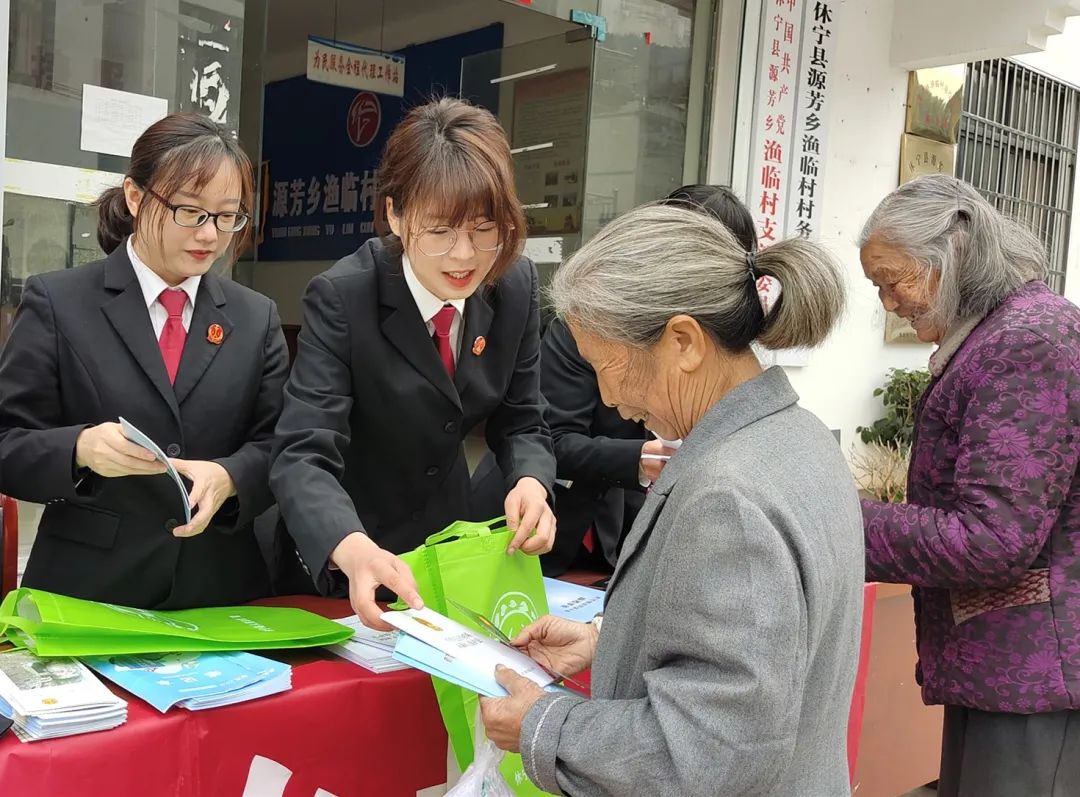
x: 52, y: 697
x: 451, y: 651
x: 195, y: 681
x: 372, y: 650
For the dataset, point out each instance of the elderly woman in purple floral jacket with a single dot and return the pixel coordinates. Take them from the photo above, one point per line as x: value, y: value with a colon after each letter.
x: 990, y: 534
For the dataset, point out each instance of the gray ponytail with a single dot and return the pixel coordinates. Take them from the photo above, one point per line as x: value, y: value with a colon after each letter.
x: 813, y: 297
x: 658, y: 261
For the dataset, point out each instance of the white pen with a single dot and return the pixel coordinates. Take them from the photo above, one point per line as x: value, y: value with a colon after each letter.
x: 661, y: 457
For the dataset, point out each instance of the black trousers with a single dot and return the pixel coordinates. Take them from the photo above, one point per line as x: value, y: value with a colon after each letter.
x: 987, y: 754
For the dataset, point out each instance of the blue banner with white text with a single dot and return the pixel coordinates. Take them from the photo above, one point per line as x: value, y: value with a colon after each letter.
x: 322, y: 144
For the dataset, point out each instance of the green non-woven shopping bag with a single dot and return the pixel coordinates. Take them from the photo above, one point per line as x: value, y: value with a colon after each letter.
x: 56, y: 625
x: 467, y: 562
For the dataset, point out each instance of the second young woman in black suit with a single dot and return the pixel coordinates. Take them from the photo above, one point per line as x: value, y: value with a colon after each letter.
x: 407, y: 345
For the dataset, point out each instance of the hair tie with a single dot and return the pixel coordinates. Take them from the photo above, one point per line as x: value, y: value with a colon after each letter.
x: 751, y: 264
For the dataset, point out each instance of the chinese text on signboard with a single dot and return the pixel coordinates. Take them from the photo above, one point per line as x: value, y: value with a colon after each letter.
x: 784, y: 190
x: 341, y: 64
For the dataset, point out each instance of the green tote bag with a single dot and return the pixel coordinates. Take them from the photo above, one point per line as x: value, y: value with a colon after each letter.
x: 56, y: 625
x: 467, y: 562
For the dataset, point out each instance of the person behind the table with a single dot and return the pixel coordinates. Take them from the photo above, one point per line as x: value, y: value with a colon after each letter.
x: 193, y: 360
x: 407, y: 346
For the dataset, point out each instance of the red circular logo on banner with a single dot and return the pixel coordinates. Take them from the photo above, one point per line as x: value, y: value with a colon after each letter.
x: 365, y: 116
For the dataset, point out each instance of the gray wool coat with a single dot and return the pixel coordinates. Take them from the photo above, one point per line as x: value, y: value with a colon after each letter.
x: 731, y: 625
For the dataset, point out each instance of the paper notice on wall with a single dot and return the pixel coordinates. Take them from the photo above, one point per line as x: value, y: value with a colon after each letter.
x: 112, y: 120
x: 544, y: 250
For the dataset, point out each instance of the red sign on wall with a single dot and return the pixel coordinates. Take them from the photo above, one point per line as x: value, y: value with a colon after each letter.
x: 364, y: 118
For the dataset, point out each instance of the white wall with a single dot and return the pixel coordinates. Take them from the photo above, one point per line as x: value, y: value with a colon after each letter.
x: 866, y: 122
x: 1061, y: 58
x: 942, y: 32
x: 862, y: 165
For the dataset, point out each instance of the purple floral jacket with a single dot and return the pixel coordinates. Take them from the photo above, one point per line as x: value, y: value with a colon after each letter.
x: 990, y: 536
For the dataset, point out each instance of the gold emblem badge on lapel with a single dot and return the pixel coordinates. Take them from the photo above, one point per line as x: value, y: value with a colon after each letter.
x: 215, y: 334
x: 479, y: 345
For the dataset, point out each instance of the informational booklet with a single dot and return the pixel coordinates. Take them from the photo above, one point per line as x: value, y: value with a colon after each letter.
x: 457, y: 653
x: 423, y: 657
x: 140, y: 439
x: 572, y: 601
x: 195, y: 680
x: 53, y: 697
x: 372, y: 650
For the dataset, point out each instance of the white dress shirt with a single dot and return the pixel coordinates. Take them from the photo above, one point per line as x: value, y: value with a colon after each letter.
x: 429, y: 305
x: 152, y: 285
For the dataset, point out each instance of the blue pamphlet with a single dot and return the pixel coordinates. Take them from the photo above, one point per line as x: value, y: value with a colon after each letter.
x: 573, y: 602
x: 194, y: 680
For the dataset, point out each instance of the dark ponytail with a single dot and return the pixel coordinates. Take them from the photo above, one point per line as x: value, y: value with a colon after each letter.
x: 720, y: 202
x: 181, y: 149
x: 115, y: 222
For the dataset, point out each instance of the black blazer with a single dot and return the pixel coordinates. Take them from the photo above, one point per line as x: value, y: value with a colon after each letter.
x: 596, y: 450
x: 82, y: 351
x: 370, y: 437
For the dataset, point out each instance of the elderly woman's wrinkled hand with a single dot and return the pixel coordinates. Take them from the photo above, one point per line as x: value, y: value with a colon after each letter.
x: 503, y: 716
x: 559, y: 644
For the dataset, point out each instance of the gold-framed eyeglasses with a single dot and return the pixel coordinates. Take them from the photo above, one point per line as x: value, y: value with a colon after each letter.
x: 191, y: 216
x: 438, y: 241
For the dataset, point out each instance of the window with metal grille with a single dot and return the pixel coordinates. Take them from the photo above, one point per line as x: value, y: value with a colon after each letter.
x: 1017, y: 146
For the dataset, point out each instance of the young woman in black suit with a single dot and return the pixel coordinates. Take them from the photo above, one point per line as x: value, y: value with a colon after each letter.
x: 406, y: 346
x: 194, y: 361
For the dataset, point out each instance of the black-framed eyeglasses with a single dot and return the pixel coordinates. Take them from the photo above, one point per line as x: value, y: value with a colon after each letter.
x: 191, y: 216
x: 438, y: 241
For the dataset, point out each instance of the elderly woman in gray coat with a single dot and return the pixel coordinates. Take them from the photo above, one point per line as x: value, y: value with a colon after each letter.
x: 726, y: 656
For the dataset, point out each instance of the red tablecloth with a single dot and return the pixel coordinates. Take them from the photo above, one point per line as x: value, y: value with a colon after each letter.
x: 340, y: 729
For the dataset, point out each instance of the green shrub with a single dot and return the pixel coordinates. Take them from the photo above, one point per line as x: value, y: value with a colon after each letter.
x: 900, y: 395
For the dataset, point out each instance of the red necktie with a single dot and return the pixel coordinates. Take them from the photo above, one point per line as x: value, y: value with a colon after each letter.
x: 589, y: 541
x: 173, y: 333
x: 442, y: 321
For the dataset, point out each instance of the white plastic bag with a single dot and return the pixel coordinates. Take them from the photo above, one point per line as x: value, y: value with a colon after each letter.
x: 482, y: 777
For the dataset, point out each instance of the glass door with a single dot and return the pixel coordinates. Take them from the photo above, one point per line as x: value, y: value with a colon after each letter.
x: 540, y: 91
